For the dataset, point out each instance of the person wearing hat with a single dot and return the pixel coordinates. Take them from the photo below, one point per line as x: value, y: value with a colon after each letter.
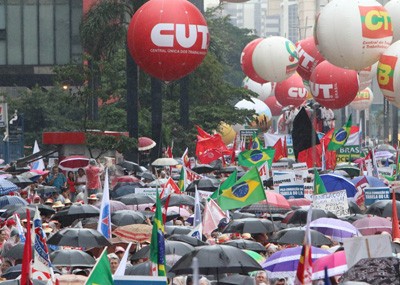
x: 58, y: 206
x: 49, y: 202
x: 67, y: 203
x: 92, y: 200
x: 36, y: 199
x: 119, y: 251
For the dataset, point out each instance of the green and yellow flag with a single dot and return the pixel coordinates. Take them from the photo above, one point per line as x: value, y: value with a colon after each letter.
x: 157, y: 245
x: 319, y: 186
x: 229, y: 182
x: 256, y: 157
x: 101, y: 273
x: 255, y: 142
x: 247, y: 190
x: 339, y: 138
x: 182, y: 180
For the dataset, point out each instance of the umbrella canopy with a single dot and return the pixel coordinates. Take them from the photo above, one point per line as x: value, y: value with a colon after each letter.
x: 144, y: 269
x: 203, y: 168
x: 12, y: 200
x: 387, y: 210
x: 353, y: 218
x: 236, y: 279
x: 336, y: 229
x: 171, y: 247
x: 136, y: 199
x: 239, y: 215
x: 353, y: 208
x: 299, y: 216
x: 284, y: 263
x: 114, y: 206
x: 246, y: 244
x: 373, y: 225
x: 33, y: 176
x: 145, y: 143
x: 296, y: 236
x: 134, y: 233
x: 377, y: 207
x: 382, y: 271
x: 250, y: 225
x: 205, y: 184
x: 177, y: 230
x: 7, y: 187
x: 334, y: 182
x: 89, y: 223
x: 383, y: 154
x: 255, y: 255
x: 73, y: 163
x: 372, y: 181
x: 216, y: 259
x: 76, y: 211
x: 124, y: 178
x: 78, y: 237
x: 164, y: 161
x: 16, y: 209
x: 125, y: 188
x: 147, y: 175
x: 20, y: 181
x: 178, y: 200
x: 16, y: 252
x: 350, y: 169
x: 127, y: 217
x: 335, y: 262
x: 299, y: 202
x: 71, y: 257
x: 187, y: 239
x: 44, y: 190
x: 385, y: 147
x: 130, y: 166
x: 274, y: 203
x: 12, y: 272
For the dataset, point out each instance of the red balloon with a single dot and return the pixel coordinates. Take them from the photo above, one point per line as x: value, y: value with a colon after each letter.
x: 273, y: 105
x: 309, y: 57
x: 291, y: 91
x: 247, y: 62
x: 168, y: 39
x: 333, y: 87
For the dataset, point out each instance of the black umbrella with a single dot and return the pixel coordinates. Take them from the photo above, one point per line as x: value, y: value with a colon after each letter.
x: 239, y: 215
x: 387, y: 211
x: 16, y: 252
x: 250, y: 225
x: 144, y: 269
x: 179, y: 230
x: 127, y: 217
x: 17, y: 209
x: 125, y: 188
x: 296, y: 236
x: 89, y: 223
x: 236, y: 279
x: 353, y: 218
x: 130, y: 166
x: 72, y: 257
x: 78, y: 237
x: 44, y: 190
x: 20, y: 181
x: 299, y: 216
x: 147, y: 175
x: 205, y: 184
x: 12, y: 272
x: 353, y: 208
x: 216, y: 259
x: 203, y: 168
x: 136, y: 199
x: 377, y: 207
x: 247, y: 244
x: 76, y: 211
x: 171, y: 247
x: 187, y: 239
x: 382, y: 271
x: 178, y: 199
x: 17, y: 282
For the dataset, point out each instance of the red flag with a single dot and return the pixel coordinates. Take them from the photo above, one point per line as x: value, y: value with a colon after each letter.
x: 168, y: 152
x: 202, y: 133
x: 171, y: 187
x: 304, y: 268
x: 307, y: 157
x: 279, y: 152
x: 360, y: 196
x: 185, y: 159
x: 209, y: 156
x: 165, y: 209
x: 395, y: 219
x: 26, y: 261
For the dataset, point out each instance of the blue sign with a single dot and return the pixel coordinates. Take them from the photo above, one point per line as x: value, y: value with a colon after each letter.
x: 139, y: 280
x: 373, y: 194
x: 291, y: 191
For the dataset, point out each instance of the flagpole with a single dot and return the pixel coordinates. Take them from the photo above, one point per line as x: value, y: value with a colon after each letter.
x: 313, y: 138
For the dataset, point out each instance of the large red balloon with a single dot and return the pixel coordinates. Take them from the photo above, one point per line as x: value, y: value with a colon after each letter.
x: 309, y: 57
x: 291, y: 91
x: 168, y: 38
x: 247, y: 62
x: 273, y: 105
x: 332, y: 86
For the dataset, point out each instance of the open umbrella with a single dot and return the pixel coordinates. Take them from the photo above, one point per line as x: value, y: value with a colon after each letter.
x: 71, y: 257
x: 335, y: 262
x: 382, y: 271
x: 16, y: 252
x: 127, y: 217
x: 372, y: 181
x: 203, y: 168
x: 239, y: 215
x: 144, y: 269
x: 89, y: 223
x: 147, y: 175
x: 216, y: 259
x: 114, y: 206
x: 78, y: 237
x: 178, y: 200
x: 334, y: 228
x: 12, y: 200
x: 274, y: 203
x: 171, y: 247
x: 350, y: 169
x: 299, y: 202
x: 20, y: 181
x: 334, y: 182
x: 299, y: 216
x: 44, y: 190
x: 134, y: 233
x: 145, y: 143
x: 7, y: 187
x: 130, y: 166
x: 164, y: 161
x: 387, y: 210
x: 136, y: 199
x: 177, y: 230
x: 187, y: 239
x: 205, y: 184
x: 124, y: 178
x: 76, y: 211
x: 12, y: 272
x: 236, y: 279
x: 73, y: 163
x: 20, y: 210
x: 377, y: 207
x: 283, y: 264
x: 250, y: 225
x: 246, y: 244
x: 125, y: 188
x: 353, y: 208
x: 296, y: 236
x: 373, y: 225
x: 255, y: 255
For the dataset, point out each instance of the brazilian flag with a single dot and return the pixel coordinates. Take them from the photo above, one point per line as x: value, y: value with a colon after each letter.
x: 231, y: 180
x: 246, y: 191
x: 339, y: 138
x: 255, y: 144
x: 256, y: 157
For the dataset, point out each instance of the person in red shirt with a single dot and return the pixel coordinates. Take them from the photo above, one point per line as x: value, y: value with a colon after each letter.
x: 71, y: 185
x: 93, y: 173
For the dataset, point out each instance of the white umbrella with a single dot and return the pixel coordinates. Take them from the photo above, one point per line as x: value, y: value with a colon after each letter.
x: 164, y: 161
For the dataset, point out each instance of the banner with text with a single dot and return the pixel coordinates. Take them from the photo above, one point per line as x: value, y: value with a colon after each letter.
x: 291, y: 190
x: 335, y: 202
x: 373, y: 194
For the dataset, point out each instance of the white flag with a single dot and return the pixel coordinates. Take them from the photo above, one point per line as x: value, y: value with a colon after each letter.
x: 122, y: 264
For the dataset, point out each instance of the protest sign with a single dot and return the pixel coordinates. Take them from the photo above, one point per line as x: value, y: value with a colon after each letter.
x: 291, y: 190
x: 146, y: 191
x: 385, y: 171
x: 280, y: 166
x: 335, y: 202
x: 373, y: 194
x: 308, y: 191
x: 284, y: 178
x: 300, y: 166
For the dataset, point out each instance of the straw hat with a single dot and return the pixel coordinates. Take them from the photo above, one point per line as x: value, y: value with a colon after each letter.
x: 46, y: 228
x: 93, y: 197
x: 67, y: 201
x: 49, y: 201
x: 58, y: 204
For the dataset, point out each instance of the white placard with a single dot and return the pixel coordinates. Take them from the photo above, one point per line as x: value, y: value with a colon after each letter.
x: 335, y: 202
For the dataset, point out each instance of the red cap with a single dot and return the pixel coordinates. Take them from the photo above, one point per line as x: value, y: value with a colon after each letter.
x: 10, y: 222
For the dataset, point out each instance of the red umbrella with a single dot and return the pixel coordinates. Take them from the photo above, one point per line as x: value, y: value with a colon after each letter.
x: 146, y: 143
x: 73, y: 163
x: 275, y: 202
x: 299, y: 202
x: 125, y: 178
x: 372, y: 225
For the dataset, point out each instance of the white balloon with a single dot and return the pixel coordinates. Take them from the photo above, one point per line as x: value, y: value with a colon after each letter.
x: 363, y: 100
x: 393, y: 8
x: 275, y: 59
x: 263, y: 90
x: 353, y: 34
x: 365, y: 76
x: 255, y: 104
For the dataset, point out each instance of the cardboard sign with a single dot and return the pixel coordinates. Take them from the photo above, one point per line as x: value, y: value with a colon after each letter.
x: 387, y: 171
x: 291, y: 190
x: 373, y: 194
x: 300, y: 166
x: 147, y: 191
x: 308, y: 191
x: 280, y: 166
x: 335, y: 202
x: 357, y: 248
x: 284, y: 178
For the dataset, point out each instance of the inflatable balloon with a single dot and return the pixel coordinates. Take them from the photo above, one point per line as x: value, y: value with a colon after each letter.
x: 365, y: 76
x: 309, y: 57
x: 275, y: 59
x: 227, y: 133
x: 388, y: 74
x: 168, y: 39
x: 263, y: 90
x: 273, y: 105
x: 291, y: 91
x: 393, y: 8
x: 262, y: 119
x: 353, y: 34
x: 333, y: 87
x: 363, y: 100
x: 247, y: 63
